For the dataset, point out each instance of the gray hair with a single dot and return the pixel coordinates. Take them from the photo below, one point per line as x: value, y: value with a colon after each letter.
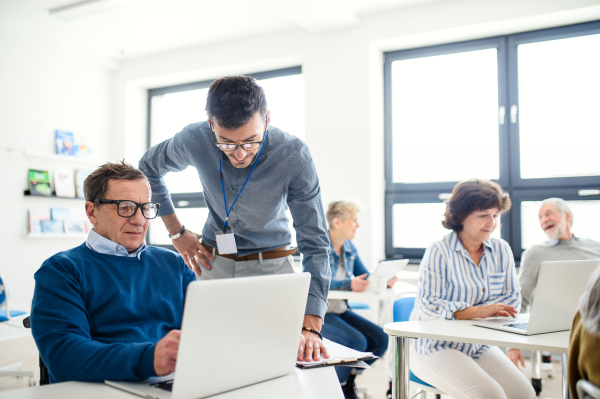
x: 560, y: 205
x: 589, y: 304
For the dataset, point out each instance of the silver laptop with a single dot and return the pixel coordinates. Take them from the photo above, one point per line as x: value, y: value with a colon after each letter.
x: 235, y: 332
x: 559, y: 287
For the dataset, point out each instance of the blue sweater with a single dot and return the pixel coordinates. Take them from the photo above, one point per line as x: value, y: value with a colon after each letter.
x: 96, y: 317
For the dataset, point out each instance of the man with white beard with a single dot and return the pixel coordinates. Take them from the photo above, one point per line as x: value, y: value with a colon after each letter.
x: 556, y: 219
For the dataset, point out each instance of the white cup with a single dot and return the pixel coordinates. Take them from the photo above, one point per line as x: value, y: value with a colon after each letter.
x: 379, y: 285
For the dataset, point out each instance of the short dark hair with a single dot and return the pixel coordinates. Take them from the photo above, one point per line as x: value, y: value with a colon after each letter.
x: 234, y: 100
x: 95, y: 185
x: 473, y: 195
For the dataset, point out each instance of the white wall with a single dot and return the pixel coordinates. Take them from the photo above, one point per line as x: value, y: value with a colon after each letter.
x: 43, y: 89
x: 343, y: 75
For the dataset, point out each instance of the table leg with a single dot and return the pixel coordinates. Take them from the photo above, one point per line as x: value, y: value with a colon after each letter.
x: 565, y: 381
x: 402, y: 375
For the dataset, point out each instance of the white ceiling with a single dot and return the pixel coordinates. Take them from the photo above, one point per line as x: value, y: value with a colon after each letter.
x: 155, y: 26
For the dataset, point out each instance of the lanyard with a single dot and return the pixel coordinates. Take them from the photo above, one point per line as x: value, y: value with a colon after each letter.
x: 227, y: 212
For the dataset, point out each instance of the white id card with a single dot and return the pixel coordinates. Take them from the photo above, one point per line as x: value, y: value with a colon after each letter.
x: 226, y: 243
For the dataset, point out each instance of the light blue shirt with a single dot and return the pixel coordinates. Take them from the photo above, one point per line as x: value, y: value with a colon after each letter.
x: 285, y: 176
x: 450, y: 281
x: 103, y: 245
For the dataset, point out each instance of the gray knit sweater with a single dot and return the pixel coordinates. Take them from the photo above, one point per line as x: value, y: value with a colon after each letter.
x: 575, y: 249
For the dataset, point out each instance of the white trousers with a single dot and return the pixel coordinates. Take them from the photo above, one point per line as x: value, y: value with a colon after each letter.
x: 492, y: 376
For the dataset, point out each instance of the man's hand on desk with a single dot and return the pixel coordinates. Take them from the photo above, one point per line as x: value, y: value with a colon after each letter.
x: 165, y: 353
x: 359, y: 284
x: 481, y: 312
x: 516, y: 356
x: 391, y: 283
x: 311, y: 346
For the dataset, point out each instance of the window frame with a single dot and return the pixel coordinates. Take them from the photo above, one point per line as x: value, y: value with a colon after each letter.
x: 509, y: 151
x: 196, y: 200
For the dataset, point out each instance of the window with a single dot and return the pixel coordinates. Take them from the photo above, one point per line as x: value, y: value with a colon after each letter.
x: 170, y: 109
x: 519, y: 110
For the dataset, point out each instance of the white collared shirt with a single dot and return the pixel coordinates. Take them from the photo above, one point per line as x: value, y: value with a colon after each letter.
x: 103, y: 245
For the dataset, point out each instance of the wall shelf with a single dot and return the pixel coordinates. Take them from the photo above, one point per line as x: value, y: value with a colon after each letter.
x: 62, y: 158
x: 57, y: 235
x: 27, y: 193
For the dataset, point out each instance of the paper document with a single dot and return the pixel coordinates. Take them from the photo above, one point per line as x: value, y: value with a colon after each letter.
x: 338, y: 355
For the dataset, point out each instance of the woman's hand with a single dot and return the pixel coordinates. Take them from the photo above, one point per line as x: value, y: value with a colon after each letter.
x: 391, y: 283
x: 481, y: 312
x: 358, y: 283
x: 516, y: 356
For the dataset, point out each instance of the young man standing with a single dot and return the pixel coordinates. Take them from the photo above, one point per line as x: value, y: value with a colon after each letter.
x: 251, y: 173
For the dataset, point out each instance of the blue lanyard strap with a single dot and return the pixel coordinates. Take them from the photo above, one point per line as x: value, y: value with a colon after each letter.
x: 227, y: 212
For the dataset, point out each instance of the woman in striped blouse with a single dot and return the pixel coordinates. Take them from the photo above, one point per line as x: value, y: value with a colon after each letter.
x: 468, y: 275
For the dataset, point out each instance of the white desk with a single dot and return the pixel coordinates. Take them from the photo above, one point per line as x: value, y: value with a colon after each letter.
x: 464, y: 331
x: 321, y: 383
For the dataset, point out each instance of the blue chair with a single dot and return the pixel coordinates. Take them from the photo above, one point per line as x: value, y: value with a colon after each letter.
x: 401, y: 310
x: 4, y: 298
x: 358, y: 305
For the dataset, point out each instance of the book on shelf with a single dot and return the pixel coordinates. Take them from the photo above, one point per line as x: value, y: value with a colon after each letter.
x: 65, y: 142
x: 39, y: 182
x: 53, y: 226
x: 79, y: 217
x: 75, y: 227
x: 36, y: 215
x: 80, y: 176
x: 60, y: 214
x: 64, y: 183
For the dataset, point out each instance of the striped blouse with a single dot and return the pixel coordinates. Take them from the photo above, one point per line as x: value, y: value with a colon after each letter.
x: 449, y: 281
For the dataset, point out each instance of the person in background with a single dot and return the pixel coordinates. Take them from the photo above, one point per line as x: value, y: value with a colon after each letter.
x: 349, y: 273
x: 556, y: 220
x: 467, y: 275
x: 111, y: 308
x: 584, y: 347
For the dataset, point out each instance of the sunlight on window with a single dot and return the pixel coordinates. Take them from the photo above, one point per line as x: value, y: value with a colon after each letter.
x: 194, y: 221
x: 419, y: 225
x: 559, y: 126
x: 586, y: 219
x: 445, y: 117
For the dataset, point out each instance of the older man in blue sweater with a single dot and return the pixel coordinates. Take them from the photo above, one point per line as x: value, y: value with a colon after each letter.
x: 112, y: 307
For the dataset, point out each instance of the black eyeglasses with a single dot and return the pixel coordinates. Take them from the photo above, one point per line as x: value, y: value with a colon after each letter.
x: 230, y: 147
x: 246, y: 146
x: 127, y: 209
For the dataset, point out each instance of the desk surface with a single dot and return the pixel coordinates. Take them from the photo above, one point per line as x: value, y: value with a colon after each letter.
x: 13, y: 329
x: 321, y: 383
x: 464, y: 331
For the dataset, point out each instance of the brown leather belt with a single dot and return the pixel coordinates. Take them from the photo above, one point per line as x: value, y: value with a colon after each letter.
x: 272, y: 254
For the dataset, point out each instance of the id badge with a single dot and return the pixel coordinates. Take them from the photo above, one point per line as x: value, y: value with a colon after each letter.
x: 226, y: 243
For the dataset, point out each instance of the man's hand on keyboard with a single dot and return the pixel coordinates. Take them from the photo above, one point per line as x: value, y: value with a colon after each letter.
x: 165, y: 353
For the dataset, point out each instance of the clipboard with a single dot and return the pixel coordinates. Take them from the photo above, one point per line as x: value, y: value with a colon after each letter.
x: 339, y: 355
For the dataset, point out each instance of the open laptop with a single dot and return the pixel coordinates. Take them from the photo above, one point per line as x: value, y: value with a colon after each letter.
x: 559, y: 287
x: 235, y: 332
x: 388, y: 269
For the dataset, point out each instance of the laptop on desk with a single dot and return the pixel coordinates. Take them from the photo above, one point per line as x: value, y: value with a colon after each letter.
x: 235, y: 332
x: 560, y: 285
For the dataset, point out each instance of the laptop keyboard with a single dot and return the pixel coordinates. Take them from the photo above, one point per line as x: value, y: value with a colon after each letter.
x: 166, y: 385
x: 521, y: 326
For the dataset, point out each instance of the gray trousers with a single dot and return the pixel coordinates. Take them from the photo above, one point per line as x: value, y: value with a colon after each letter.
x: 227, y: 268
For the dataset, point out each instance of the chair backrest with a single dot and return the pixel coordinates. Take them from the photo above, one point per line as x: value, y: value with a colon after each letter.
x: 403, y: 307
x: 44, y: 376
x: 587, y: 390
